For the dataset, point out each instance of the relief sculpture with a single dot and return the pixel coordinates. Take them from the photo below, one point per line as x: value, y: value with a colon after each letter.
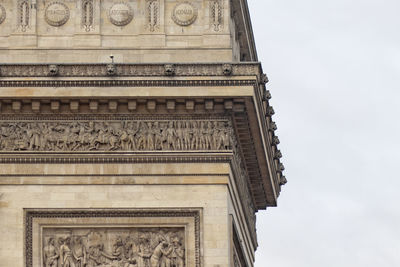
x: 128, y: 135
x: 23, y: 14
x: 2, y: 14
x: 216, y: 14
x: 87, y: 15
x: 114, y: 247
x: 152, y: 14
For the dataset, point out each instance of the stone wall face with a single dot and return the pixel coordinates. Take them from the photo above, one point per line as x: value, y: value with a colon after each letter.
x: 131, y: 135
x: 170, y: 200
x: 120, y: 161
x: 132, y: 30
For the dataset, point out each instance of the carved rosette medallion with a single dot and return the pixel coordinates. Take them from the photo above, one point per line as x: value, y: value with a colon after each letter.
x: 2, y: 14
x: 120, y: 14
x: 56, y: 14
x: 184, y: 14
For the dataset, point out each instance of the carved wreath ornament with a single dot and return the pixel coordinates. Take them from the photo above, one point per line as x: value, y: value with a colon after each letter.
x: 56, y: 14
x: 120, y: 14
x: 2, y: 14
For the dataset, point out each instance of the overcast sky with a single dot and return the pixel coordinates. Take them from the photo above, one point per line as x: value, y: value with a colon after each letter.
x: 334, y: 70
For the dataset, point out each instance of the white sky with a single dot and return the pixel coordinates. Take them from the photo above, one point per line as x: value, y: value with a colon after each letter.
x: 334, y: 69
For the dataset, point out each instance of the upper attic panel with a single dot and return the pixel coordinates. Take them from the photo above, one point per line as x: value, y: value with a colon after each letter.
x: 71, y: 31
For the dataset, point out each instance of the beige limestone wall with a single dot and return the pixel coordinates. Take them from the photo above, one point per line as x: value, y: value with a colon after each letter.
x: 212, y: 198
x: 152, y: 34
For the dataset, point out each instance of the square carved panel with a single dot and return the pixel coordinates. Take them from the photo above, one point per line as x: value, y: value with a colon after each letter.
x: 112, y: 238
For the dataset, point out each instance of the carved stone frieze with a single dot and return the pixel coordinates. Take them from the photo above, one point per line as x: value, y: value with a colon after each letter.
x: 184, y: 13
x: 120, y: 14
x: 113, y: 247
x: 129, y: 135
x: 3, y: 14
x: 140, y: 70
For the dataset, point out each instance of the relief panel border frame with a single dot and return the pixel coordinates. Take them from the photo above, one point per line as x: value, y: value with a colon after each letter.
x: 30, y: 214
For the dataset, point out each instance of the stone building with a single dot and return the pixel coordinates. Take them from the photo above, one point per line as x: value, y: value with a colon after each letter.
x: 133, y: 133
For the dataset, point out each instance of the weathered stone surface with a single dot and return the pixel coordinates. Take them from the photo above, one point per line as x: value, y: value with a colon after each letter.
x: 131, y: 135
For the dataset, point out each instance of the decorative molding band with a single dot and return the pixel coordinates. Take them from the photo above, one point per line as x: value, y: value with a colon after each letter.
x: 126, y: 83
x: 50, y: 158
x: 136, y: 70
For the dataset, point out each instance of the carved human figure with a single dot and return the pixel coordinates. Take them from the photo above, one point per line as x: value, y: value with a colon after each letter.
x: 202, y: 130
x: 227, y: 139
x: 112, y: 137
x: 97, y: 256
x: 196, y: 136
x: 158, y: 136
x: 119, y: 249
x: 94, y: 256
x: 149, y: 137
x: 208, y: 135
x: 102, y: 134
x: 65, y: 253
x: 217, y: 136
x: 223, y: 137
x: 177, y: 256
x: 66, y: 137
x: 144, y: 252
x: 142, y: 132
x: 132, y: 133
x: 159, y: 258
x: 50, y: 254
x: 171, y: 134
x: 130, y: 252
x: 186, y: 135
x: 124, y: 136
x: 179, y: 135
x: 34, y: 136
x: 79, y: 252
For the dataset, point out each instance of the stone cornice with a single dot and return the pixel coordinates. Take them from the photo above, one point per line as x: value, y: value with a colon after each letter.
x: 130, y: 70
x: 252, y: 115
x: 244, y: 28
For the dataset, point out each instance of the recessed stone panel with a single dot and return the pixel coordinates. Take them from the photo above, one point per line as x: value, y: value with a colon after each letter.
x: 112, y: 238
